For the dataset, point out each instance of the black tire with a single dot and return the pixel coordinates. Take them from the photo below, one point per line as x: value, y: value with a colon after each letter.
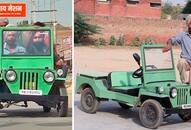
x: 46, y: 109
x: 151, y: 114
x: 62, y: 109
x: 185, y: 116
x: 124, y: 106
x: 89, y: 102
x: 62, y: 106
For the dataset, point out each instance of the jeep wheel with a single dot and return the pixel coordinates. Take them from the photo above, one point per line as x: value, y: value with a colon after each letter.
x: 62, y: 108
x: 124, y: 106
x: 89, y: 102
x: 46, y: 109
x: 151, y: 114
x: 185, y: 116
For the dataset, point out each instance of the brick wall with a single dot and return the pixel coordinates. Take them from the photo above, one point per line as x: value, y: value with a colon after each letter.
x: 118, y: 8
x: 85, y: 6
x: 161, y: 30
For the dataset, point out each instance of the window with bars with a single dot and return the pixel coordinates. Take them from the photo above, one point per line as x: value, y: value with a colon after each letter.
x: 132, y: 2
x: 152, y: 4
x: 103, y: 1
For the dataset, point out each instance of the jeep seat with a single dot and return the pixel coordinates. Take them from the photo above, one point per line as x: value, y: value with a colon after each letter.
x: 123, y: 82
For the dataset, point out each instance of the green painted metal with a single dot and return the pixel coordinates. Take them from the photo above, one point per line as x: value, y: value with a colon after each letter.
x: 29, y: 69
x: 101, y: 90
x: 124, y: 79
x: 153, y: 80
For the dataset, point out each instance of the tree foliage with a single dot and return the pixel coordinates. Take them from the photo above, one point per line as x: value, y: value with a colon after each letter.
x: 170, y: 9
x: 187, y: 8
x: 82, y: 29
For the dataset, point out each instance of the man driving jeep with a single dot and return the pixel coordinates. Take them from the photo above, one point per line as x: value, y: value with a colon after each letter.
x: 184, y: 40
x: 10, y: 45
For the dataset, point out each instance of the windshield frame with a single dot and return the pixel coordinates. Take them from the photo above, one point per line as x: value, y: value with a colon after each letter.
x: 26, y: 55
x: 149, y: 70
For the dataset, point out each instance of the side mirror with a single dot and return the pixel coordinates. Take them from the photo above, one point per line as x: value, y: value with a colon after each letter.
x: 137, y: 58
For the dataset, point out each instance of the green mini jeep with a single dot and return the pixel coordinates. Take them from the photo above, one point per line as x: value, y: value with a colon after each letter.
x: 27, y: 70
x: 153, y: 88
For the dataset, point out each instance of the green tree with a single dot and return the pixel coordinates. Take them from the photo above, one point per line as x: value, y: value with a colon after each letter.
x: 187, y: 8
x: 169, y: 9
x: 82, y: 29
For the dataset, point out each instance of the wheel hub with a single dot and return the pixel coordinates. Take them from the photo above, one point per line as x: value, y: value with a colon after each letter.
x: 89, y: 100
x: 150, y: 114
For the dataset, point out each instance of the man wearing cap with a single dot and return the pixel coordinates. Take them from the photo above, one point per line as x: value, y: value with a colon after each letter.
x: 184, y: 40
x: 4, y: 22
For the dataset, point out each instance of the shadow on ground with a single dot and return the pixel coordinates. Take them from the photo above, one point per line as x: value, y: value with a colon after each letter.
x: 56, y: 124
x: 133, y: 113
x: 30, y: 112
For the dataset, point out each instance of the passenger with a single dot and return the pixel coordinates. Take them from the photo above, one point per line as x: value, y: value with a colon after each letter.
x: 10, y: 45
x: 37, y: 45
x: 184, y: 40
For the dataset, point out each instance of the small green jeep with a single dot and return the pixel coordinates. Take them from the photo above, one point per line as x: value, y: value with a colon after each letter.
x: 27, y: 74
x: 153, y: 88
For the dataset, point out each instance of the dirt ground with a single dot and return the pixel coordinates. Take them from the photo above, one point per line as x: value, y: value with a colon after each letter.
x: 106, y: 59
x: 109, y: 115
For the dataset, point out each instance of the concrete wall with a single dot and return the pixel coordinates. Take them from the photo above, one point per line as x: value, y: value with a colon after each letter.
x: 161, y: 30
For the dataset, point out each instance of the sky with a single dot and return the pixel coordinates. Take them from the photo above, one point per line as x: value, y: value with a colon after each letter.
x: 175, y: 2
x: 64, y: 10
x: 63, y: 14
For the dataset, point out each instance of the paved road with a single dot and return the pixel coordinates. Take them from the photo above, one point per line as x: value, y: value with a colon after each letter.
x: 33, y: 118
x: 110, y: 116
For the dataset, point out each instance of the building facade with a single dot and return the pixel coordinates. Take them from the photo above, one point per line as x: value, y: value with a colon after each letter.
x: 123, y: 8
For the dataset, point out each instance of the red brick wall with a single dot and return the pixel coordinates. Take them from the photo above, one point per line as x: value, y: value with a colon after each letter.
x: 102, y: 9
x: 160, y: 30
x: 143, y: 10
x: 85, y: 6
x: 117, y: 8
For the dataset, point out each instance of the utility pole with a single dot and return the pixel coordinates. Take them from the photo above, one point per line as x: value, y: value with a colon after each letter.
x: 52, y: 11
x: 33, y: 13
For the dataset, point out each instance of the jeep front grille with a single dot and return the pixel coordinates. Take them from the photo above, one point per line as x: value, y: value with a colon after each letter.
x: 29, y: 80
x: 182, y: 95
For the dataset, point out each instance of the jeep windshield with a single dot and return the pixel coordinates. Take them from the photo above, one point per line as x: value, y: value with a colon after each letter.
x: 26, y: 42
x: 155, y: 59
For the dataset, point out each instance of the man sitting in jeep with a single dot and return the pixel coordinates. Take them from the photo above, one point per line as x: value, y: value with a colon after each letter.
x: 10, y: 45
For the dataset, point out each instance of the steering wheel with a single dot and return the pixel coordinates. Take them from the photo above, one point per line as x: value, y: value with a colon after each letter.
x: 138, y: 73
x: 151, y: 67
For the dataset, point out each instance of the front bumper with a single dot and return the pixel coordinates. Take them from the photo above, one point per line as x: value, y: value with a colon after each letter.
x: 177, y: 110
x: 45, y: 100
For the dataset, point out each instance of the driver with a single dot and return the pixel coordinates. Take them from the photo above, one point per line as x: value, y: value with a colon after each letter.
x: 184, y: 40
x: 10, y: 45
x: 37, y: 45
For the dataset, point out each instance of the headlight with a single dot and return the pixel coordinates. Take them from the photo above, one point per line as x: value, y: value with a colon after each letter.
x: 173, y: 92
x: 60, y: 72
x: 11, y: 75
x: 48, y: 76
